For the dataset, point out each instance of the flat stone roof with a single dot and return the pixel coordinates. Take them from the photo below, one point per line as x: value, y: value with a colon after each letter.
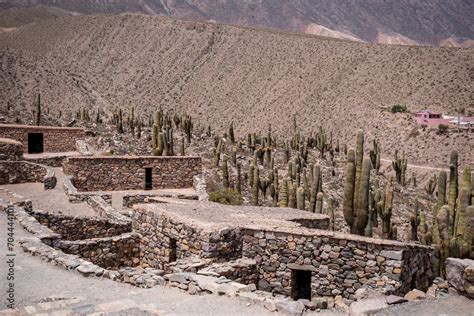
x: 210, y: 216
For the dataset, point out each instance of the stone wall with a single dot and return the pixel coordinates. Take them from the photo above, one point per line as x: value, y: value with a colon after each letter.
x: 339, y: 263
x: 56, y: 139
x: 77, y: 197
x: 108, y: 252
x: 10, y: 149
x: 128, y: 173
x: 159, y: 233
x: 75, y: 228
x: 12, y: 172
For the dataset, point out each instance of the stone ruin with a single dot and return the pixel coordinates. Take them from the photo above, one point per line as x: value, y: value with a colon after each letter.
x: 257, y: 253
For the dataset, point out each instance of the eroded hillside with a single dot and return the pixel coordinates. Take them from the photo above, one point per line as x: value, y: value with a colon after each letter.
x: 252, y: 77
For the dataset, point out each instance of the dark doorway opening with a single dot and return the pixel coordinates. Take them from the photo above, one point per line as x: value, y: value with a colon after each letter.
x: 173, y: 250
x: 148, y: 179
x: 300, y: 284
x: 35, y: 143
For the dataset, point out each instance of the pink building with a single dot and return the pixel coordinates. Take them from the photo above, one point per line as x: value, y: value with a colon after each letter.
x: 431, y: 118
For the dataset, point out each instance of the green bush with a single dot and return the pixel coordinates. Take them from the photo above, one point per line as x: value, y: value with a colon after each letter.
x: 226, y: 196
x: 442, y: 129
x: 399, y: 108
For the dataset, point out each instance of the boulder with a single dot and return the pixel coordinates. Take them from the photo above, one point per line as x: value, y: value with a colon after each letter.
x: 415, y: 295
x: 367, y: 306
x: 289, y: 307
x: 460, y: 275
x: 394, y: 299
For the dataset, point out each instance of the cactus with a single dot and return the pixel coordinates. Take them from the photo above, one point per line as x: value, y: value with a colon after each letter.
x: 154, y: 138
x: 38, y: 110
x: 362, y: 205
x: 291, y: 195
x: 431, y: 185
x: 442, y: 246
x: 120, y: 122
x: 375, y: 156
x: 182, y: 148
x: 255, y: 186
x: 250, y: 177
x: 393, y: 232
x: 368, y: 228
x: 330, y: 213
x: 359, y: 157
x: 319, y: 203
x: 231, y: 132
x: 386, y: 210
x: 225, y: 172
x: 234, y: 155
x: 349, y: 188
x: 300, y: 198
x: 464, y: 198
x: 283, y: 196
x: 239, y: 178
x: 415, y: 222
x: 424, y: 231
x: 453, y: 189
x: 400, y: 167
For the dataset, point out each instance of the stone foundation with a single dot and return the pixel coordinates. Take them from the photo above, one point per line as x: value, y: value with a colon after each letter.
x: 12, y: 172
x: 128, y: 173
x: 55, y: 139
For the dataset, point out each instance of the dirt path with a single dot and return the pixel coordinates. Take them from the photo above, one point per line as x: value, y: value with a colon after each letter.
x: 417, y: 166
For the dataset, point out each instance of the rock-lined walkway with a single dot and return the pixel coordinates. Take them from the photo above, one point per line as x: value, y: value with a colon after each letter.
x: 54, y: 200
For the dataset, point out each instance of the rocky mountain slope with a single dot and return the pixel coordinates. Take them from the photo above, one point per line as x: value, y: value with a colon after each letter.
x: 434, y: 22
x: 253, y: 77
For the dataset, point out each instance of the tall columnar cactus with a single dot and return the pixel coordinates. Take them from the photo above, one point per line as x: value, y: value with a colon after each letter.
x: 330, y: 213
x: 234, y: 155
x: 319, y: 203
x: 255, y: 186
x: 231, y: 132
x: 250, y: 176
x: 300, y: 198
x: 375, y: 155
x: 368, y: 229
x: 38, y: 111
x: 182, y: 148
x: 239, y: 178
x: 464, y: 199
x: 225, y: 172
x: 283, y: 196
x: 442, y: 245
x: 359, y: 157
x: 441, y: 200
x: 386, y: 210
x: 120, y: 122
x: 362, y: 204
x: 349, y: 189
x: 415, y: 222
x: 424, y: 231
x: 400, y: 167
x: 291, y: 195
x: 275, y: 187
x: 453, y: 189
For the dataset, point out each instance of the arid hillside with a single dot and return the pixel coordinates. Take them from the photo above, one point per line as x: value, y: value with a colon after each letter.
x: 408, y: 22
x: 250, y: 76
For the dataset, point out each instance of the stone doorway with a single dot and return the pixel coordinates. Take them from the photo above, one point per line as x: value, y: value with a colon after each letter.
x: 300, y: 284
x: 148, y: 178
x: 35, y: 143
x: 173, y: 250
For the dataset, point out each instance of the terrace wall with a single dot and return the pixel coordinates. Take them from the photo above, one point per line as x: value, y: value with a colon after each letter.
x: 12, y: 172
x: 55, y: 139
x: 339, y: 263
x: 128, y: 173
x: 10, y: 149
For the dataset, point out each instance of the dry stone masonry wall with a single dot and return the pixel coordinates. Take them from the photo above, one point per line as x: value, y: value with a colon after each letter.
x: 10, y: 150
x: 339, y: 264
x: 128, y: 173
x: 76, y: 228
x: 165, y: 239
x: 55, y: 139
x: 12, y: 172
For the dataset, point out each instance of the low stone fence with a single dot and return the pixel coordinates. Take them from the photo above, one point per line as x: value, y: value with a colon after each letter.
x: 105, y: 210
x: 338, y: 263
x: 77, y: 197
x: 54, y: 161
x: 76, y: 228
x: 10, y: 149
x: 128, y: 172
x: 108, y: 252
x: 12, y: 172
x: 164, y: 240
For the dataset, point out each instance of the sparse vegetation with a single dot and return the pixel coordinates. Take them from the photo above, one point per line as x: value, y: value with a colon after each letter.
x: 399, y: 108
x: 226, y: 196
